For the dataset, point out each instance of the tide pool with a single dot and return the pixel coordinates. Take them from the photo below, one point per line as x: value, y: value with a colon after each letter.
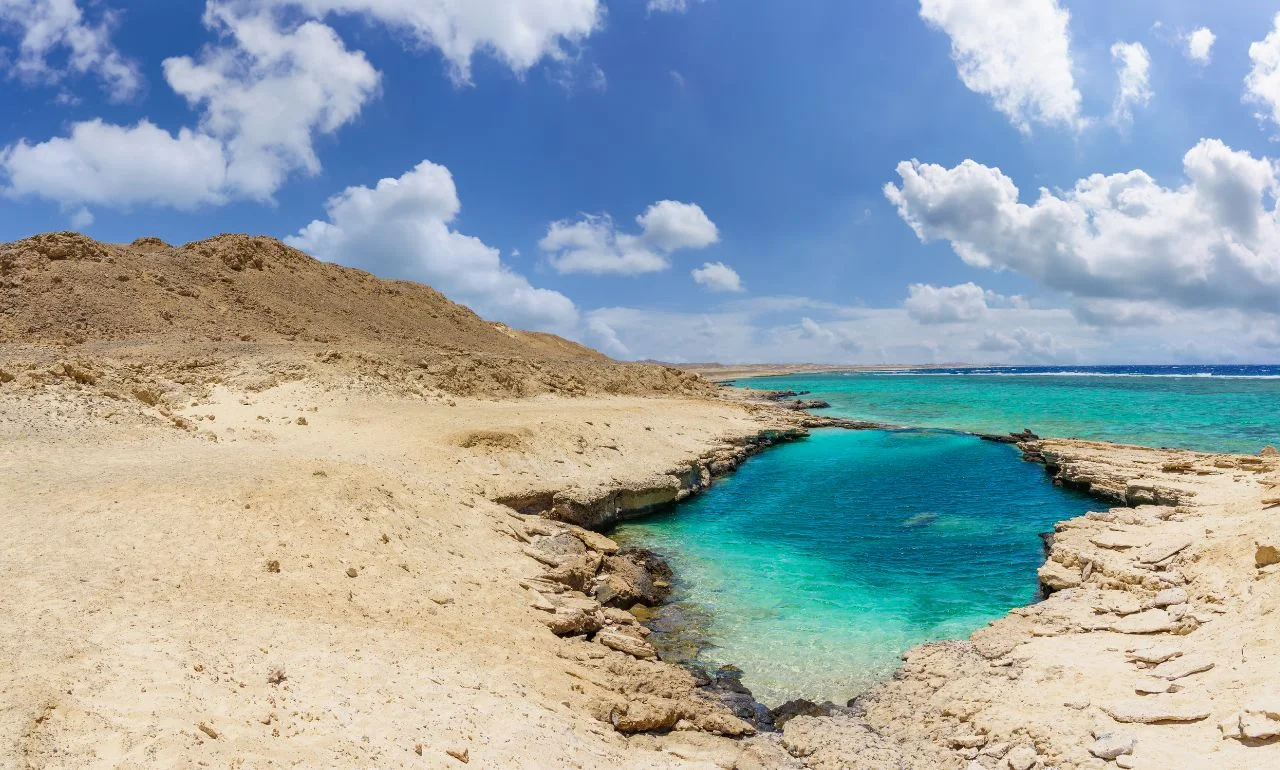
x: 819, y: 562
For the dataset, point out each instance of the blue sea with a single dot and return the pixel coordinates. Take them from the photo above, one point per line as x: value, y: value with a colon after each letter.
x: 818, y: 563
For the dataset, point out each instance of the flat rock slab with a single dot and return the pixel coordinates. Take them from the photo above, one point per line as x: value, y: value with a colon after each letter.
x: 1158, y: 552
x: 1156, y: 653
x: 1110, y: 745
x: 1147, y: 622
x: 1152, y: 711
x: 1184, y: 666
x: 1119, y: 541
x: 1170, y: 596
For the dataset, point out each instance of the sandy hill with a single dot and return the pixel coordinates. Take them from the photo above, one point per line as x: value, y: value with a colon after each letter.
x: 235, y: 294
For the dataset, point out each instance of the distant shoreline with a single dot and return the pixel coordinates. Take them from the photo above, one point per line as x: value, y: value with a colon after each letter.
x: 727, y: 372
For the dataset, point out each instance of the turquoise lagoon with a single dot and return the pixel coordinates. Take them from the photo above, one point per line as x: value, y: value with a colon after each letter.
x: 819, y: 562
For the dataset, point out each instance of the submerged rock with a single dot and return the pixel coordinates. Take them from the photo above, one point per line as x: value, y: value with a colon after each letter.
x: 633, y: 576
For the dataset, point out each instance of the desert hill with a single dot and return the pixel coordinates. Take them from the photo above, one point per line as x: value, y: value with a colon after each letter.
x: 204, y: 303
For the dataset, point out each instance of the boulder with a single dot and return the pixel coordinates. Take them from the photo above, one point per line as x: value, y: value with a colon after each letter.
x: 1156, y: 653
x: 632, y: 644
x: 633, y: 576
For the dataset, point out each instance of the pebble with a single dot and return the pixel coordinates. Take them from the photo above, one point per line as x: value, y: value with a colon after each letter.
x: 1022, y: 758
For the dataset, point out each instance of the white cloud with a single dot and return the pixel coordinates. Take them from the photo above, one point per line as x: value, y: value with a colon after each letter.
x: 1262, y: 84
x: 1115, y: 312
x: 81, y: 218
x: 520, y: 33
x: 671, y: 225
x: 1024, y: 346
x: 401, y: 228
x: 593, y: 245
x: 1213, y: 242
x: 1200, y: 44
x: 264, y: 96
x: 1017, y: 52
x: 1012, y: 334
x: 946, y: 304
x: 668, y: 6
x: 1133, y: 73
x: 47, y: 27
x: 267, y: 94
x: 118, y: 166
x: 831, y: 336
x: 717, y: 276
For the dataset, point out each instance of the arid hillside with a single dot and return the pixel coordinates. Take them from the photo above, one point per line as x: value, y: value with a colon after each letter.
x: 208, y: 302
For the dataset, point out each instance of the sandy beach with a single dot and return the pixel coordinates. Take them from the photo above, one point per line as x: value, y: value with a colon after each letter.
x: 245, y: 534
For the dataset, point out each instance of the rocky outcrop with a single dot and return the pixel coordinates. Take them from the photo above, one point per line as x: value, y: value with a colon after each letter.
x: 597, y: 508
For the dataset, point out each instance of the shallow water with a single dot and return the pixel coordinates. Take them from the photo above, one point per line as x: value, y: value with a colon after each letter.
x: 1213, y: 409
x: 819, y: 562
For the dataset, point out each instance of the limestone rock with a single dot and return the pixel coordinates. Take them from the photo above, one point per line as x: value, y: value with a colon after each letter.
x: 594, y: 540
x: 1022, y: 758
x: 1156, y: 710
x: 1156, y: 653
x: 632, y: 645
x: 1111, y: 745
x: 1152, y: 686
x: 646, y: 714
x: 1152, y: 621
x: 570, y: 621
x: 1183, y: 666
x: 1170, y: 596
x: 1265, y: 554
x: 1258, y: 726
x: 1056, y: 577
x: 1158, y: 552
x: 634, y: 576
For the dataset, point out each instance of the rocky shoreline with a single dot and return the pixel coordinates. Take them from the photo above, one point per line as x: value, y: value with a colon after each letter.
x: 959, y: 704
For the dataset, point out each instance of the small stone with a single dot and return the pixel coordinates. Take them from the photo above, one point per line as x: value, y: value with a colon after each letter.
x: 968, y: 741
x: 1125, y: 761
x: 1022, y: 758
x: 1265, y: 555
x: 302, y: 420
x: 1258, y: 726
x: 273, y: 565
x: 463, y: 755
x: 623, y: 642
x: 1110, y: 745
x: 207, y: 730
x: 996, y: 750
x: 440, y: 594
x: 352, y: 572
x: 1268, y: 451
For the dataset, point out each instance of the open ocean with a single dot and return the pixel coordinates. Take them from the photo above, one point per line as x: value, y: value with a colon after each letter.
x: 818, y: 563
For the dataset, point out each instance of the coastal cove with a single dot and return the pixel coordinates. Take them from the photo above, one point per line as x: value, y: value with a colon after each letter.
x: 819, y: 562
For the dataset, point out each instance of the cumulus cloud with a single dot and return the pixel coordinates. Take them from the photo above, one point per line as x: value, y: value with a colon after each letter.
x: 520, y: 33
x: 264, y: 94
x: 102, y: 164
x: 268, y: 92
x: 945, y: 304
x: 49, y: 28
x: 1200, y: 44
x: 1212, y: 242
x: 1016, y: 52
x: 1262, y: 84
x: 401, y: 228
x: 1133, y: 72
x: 593, y: 245
x: 830, y: 335
x: 717, y: 276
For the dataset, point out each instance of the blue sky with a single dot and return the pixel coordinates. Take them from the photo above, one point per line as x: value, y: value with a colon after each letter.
x: 526, y: 137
